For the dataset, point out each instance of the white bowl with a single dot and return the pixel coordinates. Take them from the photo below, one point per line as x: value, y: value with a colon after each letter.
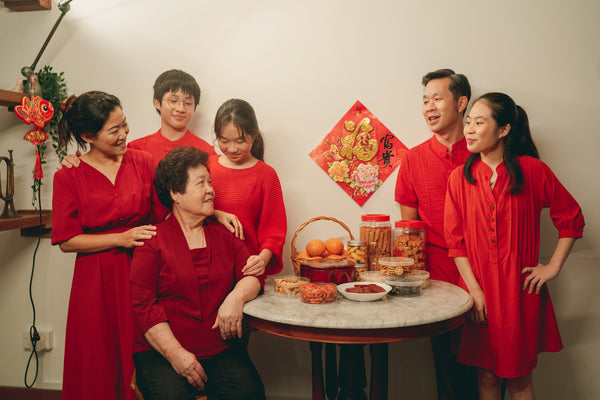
x: 363, y: 296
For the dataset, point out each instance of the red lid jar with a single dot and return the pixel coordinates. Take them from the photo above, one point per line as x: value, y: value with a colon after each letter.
x: 409, y: 241
x: 376, y: 231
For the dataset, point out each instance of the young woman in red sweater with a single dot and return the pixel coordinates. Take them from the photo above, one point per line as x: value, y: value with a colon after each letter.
x: 247, y: 187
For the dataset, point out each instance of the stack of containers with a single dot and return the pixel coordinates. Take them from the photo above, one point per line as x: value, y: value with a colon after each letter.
x: 409, y: 241
x: 357, y: 255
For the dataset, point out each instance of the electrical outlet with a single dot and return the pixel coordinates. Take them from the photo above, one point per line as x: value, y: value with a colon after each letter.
x: 46, y: 341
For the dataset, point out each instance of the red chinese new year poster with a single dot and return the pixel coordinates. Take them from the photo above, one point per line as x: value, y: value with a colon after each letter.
x: 359, y: 153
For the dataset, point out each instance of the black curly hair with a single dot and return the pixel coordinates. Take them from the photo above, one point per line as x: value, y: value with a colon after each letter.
x: 171, y: 174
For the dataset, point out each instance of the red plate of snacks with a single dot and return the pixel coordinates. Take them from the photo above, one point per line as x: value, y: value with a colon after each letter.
x: 364, y: 291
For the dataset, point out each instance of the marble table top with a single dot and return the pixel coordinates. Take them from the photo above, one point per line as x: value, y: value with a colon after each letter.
x: 439, y: 302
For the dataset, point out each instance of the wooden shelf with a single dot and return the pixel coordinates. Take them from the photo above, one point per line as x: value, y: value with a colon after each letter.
x: 29, y: 223
x: 8, y: 98
x: 28, y: 5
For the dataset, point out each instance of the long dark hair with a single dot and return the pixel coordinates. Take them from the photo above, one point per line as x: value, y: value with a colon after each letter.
x: 241, y: 113
x: 84, y: 114
x: 517, y: 142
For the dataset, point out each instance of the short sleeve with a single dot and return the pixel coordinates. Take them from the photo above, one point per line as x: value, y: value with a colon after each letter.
x: 405, y: 193
x: 65, y: 214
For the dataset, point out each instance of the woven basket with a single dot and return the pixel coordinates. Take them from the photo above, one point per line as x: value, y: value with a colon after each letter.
x: 294, y: 256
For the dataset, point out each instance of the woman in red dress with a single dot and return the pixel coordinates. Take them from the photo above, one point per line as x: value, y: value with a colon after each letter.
x: 492, y: 226
x: 101, y: 211
x: 247, y: 187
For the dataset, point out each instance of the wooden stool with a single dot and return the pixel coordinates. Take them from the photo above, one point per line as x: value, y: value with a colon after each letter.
x: 138, y: 394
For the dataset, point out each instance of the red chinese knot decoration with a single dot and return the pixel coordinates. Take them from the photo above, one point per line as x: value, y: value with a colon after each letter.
x: 359, y: 153
x: 38, y: 112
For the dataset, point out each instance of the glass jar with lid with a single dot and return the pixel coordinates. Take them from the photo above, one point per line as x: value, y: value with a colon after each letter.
x: 357, y: 252
x: 409, y: 241
x: 376, y: 231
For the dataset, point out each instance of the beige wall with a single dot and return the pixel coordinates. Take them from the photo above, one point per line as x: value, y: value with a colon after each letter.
x: 302, y: 65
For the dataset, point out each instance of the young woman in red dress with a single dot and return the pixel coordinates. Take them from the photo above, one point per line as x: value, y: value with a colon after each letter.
x: 492, y: 226
x: 101, y: 211
x: 247, y: 187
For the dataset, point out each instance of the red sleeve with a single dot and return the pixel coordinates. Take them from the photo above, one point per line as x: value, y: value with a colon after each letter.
x: 405, y: 193
x: 144, y: 276
x: 565, y: 212
x: 453, y: 220
x: 65, y: 216
x: 272, y: 225
x: 159, y: 211
x: 241, y: 256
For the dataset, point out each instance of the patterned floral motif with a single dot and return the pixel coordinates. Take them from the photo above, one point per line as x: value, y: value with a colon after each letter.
x: 359, y: 153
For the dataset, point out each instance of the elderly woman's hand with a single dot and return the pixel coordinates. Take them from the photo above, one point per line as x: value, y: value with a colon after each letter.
x: 229, y: 317
x: 186, y: 365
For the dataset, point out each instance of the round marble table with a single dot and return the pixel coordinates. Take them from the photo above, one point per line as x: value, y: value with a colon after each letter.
x: 439, y: 309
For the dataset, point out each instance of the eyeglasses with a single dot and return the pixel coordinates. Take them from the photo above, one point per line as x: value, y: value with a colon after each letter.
x: 187, y: 104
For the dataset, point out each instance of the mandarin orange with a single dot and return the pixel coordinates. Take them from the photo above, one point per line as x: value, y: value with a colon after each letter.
x: 334, y: 246
x: 316, y: 248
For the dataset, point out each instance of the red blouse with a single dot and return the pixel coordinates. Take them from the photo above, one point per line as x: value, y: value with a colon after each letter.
x: 500, y: 235
x: 167, y: 285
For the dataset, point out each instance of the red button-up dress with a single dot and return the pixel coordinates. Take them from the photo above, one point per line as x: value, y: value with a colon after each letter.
x: 500, y: 235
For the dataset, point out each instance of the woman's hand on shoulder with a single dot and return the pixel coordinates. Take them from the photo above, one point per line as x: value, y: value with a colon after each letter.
x: 538, y: 276
x: 135, y: 237
x: 186, y: 365
x: 229, y: 317
x: 70, y: 161
x: 231, y: 222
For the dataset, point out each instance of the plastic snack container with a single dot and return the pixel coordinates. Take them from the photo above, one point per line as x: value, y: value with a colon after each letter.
x: 289, y: 285
x: 408, y: 286
x: 423, y: 275
x: 318, y: 293
x: 372, y: 276
x: 408, y: 240
x: 395, y: 266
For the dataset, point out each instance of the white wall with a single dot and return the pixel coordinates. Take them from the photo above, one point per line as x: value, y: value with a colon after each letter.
x: 302, y: 65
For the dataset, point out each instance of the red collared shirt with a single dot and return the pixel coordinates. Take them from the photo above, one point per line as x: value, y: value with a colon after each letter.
x: 421, y: 184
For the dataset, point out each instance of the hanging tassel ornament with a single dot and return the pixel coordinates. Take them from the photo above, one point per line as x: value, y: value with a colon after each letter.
x: 36, y: 137
x: 38, y: 112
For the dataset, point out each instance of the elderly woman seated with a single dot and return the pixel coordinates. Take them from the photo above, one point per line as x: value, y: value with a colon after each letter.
x: 188, y: 293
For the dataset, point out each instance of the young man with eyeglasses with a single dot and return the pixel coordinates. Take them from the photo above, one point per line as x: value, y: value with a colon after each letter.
x: 176, y: 96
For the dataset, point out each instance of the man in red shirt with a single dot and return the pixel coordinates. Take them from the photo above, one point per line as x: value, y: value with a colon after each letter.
x: 176, y: 96
x: 421, y: 191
